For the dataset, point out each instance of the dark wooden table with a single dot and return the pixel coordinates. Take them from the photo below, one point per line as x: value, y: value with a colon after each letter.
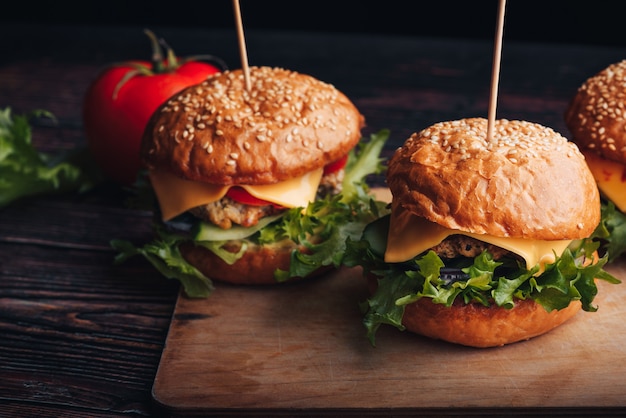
x: 80, y: 336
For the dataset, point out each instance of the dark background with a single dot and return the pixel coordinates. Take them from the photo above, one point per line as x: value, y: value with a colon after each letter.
x: 598, y: 22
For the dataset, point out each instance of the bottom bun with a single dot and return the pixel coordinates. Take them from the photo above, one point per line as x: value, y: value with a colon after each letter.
x: 476, y: 325
x: 255, y: 267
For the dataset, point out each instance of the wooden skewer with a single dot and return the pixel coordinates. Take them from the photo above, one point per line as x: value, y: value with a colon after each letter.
x: 495, y: 71
x: 242, y: 45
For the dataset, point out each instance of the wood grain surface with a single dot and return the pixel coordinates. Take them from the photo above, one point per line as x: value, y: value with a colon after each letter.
x: 303, y: 348
x: 82, y: 337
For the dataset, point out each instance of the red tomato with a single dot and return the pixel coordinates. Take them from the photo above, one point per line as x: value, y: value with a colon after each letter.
x: 119, y: 103
x: 336, y: 166
x: 241, y: 195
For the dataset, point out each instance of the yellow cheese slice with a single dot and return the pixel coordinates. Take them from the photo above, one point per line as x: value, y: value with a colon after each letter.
x: 410, y: 235
x: 610, y: 176
x: 177, y: 195
x: 296, y: 192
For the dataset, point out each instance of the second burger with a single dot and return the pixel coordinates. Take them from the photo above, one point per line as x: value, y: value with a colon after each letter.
x: 486, y: 243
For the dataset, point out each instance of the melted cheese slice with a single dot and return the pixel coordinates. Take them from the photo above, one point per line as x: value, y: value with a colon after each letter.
x: 610, y: 176
x: 177, y: 195
x: 410, y: 235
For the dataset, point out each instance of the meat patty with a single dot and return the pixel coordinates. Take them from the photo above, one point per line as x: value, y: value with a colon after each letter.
x: 226, y: 212
x: 464, y: 246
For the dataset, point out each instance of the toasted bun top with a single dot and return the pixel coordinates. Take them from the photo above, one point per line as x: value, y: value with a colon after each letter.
x: 527, y: 182
x: 596, y: 115
x: 218, y: 132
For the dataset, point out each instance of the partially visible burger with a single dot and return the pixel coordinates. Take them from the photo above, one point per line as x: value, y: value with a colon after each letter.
x: 486, y: 243
x: 256, y: 186
x: 596, y: 118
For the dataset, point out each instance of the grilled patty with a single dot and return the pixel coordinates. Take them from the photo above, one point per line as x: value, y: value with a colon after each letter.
x: 464, y: 246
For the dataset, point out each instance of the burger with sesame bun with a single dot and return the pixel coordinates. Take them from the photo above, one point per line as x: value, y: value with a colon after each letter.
x: 596, y: 118
x: 486, y: 243
x: 256, y: 183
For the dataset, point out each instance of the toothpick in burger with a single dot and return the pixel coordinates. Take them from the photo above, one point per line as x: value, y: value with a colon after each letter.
x: 256, y: 186
x: 486, y: 243
x: 596, y: 118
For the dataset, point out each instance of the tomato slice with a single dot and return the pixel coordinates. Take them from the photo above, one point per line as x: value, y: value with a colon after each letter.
x: 241, y: 195
x: 336, y: 165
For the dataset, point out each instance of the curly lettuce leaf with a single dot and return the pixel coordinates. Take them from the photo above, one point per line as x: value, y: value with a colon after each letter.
x: 164, y: 254
x: 363, y: 161
x: 26, y: 172
x: 611, y: 231
x: 569, y: 278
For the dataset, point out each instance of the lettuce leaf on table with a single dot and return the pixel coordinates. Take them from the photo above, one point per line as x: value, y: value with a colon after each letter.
x: 26, y: 172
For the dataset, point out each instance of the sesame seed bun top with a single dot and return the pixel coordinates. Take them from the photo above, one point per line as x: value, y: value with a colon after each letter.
x: 527, y: 182
x: 218, y: 132
x: 596, y: 115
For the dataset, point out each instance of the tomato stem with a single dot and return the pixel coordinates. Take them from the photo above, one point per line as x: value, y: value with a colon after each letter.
x: 161, y: 65
x: 172, y: 60
x: 157, y: 53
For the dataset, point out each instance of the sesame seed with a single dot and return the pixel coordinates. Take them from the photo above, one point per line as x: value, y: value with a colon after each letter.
x: 281, y: 104
x: 516, y: 140
x: 603, y: 98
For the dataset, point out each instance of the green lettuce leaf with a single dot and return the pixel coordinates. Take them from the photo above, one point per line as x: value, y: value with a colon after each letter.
x: 26, y: 172
x: 611, y: 231
x: 489, y: 282
x: 362, y: 162
x: 164, y: 254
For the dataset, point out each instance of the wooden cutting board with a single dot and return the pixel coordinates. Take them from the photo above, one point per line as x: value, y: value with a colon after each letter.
x: 300, y: 348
